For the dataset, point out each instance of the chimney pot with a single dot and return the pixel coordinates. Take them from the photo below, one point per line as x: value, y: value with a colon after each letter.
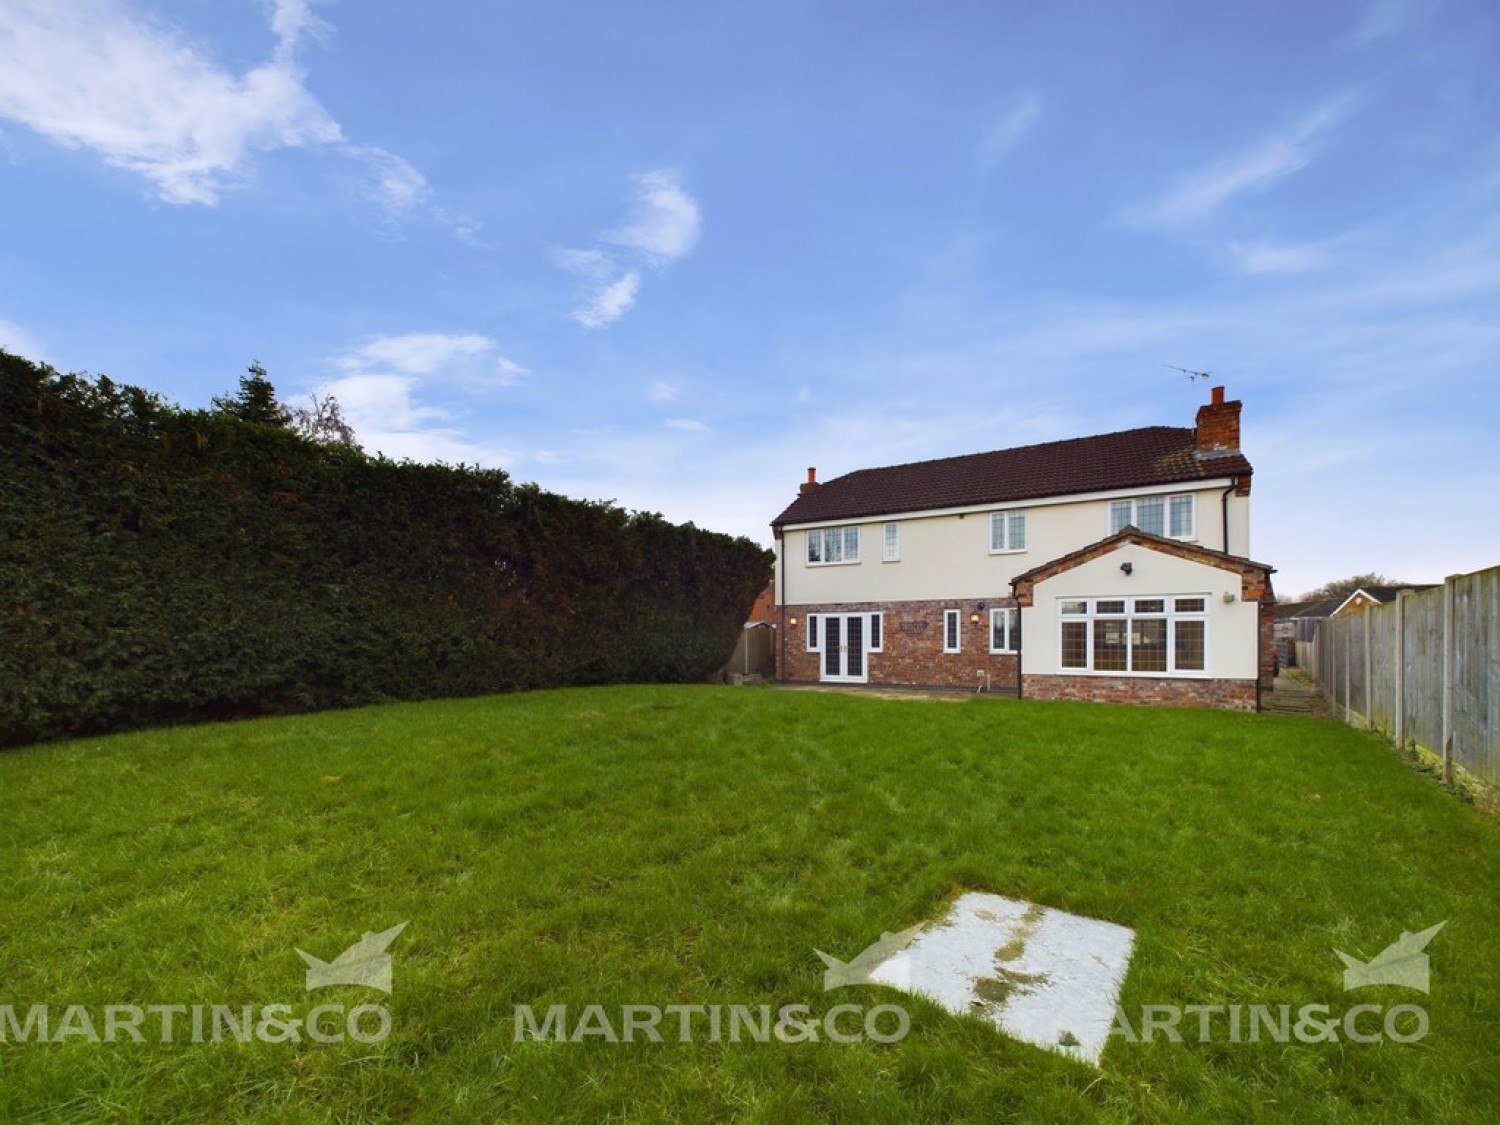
x: 812, y: 480
x: 1218, y: 396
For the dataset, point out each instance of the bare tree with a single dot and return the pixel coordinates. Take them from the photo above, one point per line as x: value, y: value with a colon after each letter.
x: 324, y: 422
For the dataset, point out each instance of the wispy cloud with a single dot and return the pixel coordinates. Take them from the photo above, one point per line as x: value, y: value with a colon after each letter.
x: 690, y: 425
x: 1384, y: 18
x: 1198, y: 195
x: 664, y: 222
x: 610, y: 302
x: 1008, y: 131
x: 662, y: 227
x: 467, y: 355
x: 662, y: 391
x: 415, y: 353
x: 388, y: 385
x: 1278, y: 257
x: 146, y: 98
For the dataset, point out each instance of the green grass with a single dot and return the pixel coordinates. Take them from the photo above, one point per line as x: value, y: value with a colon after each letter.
x: 693, y: 845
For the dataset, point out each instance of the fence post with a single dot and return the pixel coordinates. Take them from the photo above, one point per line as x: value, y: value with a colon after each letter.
x: 1398, y: 716
x: 1349, y: 680
x: 1448, y: 677
x: 1369, y: 693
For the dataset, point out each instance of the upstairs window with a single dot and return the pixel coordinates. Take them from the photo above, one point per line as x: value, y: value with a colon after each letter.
x: 1007, y: 531
x: 892, y: 543
x: 1171, y: 516
x: 832, y: 545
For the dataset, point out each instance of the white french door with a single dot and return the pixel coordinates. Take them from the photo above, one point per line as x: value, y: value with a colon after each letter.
x: 845, y: 648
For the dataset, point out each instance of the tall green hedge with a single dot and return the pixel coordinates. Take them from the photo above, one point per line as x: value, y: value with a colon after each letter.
x: 159, y: 564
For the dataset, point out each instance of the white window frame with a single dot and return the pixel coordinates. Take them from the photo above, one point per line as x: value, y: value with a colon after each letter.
x: 956, y: 616
x: 890, y: 541
x: 1002, y: 521
x: 814, y: 633
x: 875, y: 628
x: 1012, y: 618
x: 1170, y: 613
x: 824, y: 537
x: 1168, y: 500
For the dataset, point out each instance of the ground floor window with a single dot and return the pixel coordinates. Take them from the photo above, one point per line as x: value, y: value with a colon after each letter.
x: 952, y: 631
x: 1005, y: 630
x: 1156, y: 635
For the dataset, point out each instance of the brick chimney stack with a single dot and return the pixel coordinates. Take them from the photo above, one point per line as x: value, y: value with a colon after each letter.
x: 811, y: 482
x: 1218, y: 426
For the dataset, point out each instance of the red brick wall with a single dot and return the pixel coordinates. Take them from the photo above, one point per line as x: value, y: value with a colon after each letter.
x: 1268, y: 645
x: 1228, y: 695
x: 912, y: 637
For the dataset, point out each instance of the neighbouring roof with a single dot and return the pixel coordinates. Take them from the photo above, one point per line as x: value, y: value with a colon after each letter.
x: 1327, y: 607
x: 1128, y: 459
x: 1381, y: 594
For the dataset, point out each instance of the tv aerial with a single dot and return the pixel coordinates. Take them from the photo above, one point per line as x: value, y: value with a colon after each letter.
x: 1193, y: 376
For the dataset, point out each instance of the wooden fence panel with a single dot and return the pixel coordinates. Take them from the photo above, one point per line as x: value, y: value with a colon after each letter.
x: 1354, y: 659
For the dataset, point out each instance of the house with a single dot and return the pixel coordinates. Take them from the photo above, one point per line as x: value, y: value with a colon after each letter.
x: 1297, y: 622
x: 1113, y: 567
x: 1367, y: 596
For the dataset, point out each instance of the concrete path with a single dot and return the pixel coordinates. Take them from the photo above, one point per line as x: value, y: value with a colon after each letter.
x: 1296, y: 693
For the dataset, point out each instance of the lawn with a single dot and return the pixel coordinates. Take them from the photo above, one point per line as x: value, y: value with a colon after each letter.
x: 693, y: 845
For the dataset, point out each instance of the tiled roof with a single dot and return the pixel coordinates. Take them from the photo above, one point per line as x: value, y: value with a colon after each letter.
x: 1128, y: 459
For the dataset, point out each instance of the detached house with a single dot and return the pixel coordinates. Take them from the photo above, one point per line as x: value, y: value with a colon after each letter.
x: 1107, y: 568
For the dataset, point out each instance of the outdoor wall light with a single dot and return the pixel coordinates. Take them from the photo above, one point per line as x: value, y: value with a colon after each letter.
x: 794, y: 621
x: 1127, y: 568
x: 974, y: 619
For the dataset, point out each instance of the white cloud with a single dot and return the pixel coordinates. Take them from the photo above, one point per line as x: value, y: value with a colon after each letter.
x: 508, y: 372
x: 416, y: 353
x: 387, y: 384
x: 662, y: 391
x: 396, y: 187
x: 1198, y: 195
x: 1273, y: 257
x: 690, y: 425
x: 662, y: 228
x: 665, y: 221
x: 1009, y: 130
x: 148, y: 99
x: 610, y: 303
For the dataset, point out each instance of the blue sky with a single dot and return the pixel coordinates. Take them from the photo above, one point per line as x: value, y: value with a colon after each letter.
x: 672, y: 254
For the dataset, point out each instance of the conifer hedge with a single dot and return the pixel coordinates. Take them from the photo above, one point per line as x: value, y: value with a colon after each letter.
x: 159, y: 564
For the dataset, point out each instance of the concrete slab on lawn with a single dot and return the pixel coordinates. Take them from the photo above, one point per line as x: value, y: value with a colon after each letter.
x: 1040, y: 975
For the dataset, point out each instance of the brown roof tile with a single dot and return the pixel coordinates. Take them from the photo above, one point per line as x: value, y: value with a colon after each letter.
x: 1128, y: 459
